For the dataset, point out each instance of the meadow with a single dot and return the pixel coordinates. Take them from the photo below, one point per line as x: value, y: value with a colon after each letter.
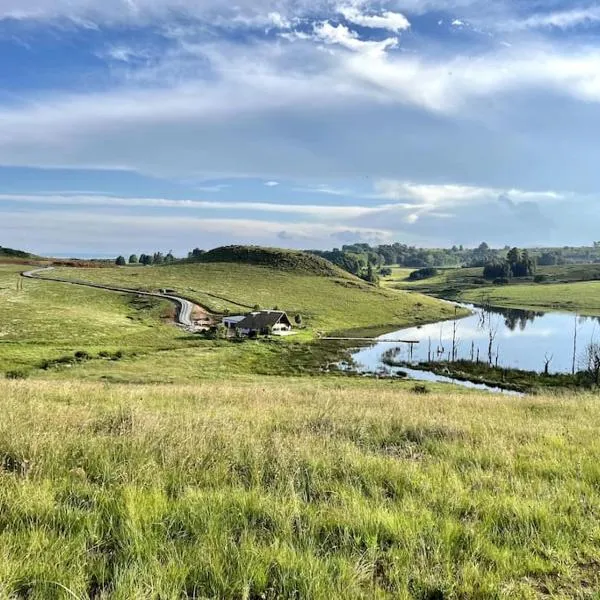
x: 572, y: 288
x: 582, y: 297
x: 95, y: 334
x: 296, y: 489
x: 325, y: 303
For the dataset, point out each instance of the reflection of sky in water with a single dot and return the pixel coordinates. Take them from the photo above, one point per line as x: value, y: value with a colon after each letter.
x: 522, y: 341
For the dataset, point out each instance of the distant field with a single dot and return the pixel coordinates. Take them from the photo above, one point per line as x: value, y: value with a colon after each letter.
x: 308, y: 489
x: 325, y: 303
x: 581, y: 297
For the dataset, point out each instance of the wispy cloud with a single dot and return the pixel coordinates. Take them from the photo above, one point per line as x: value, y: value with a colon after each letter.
x: 391, y: 21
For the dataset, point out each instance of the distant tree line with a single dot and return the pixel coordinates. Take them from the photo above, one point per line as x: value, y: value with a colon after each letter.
x: 158, y: 258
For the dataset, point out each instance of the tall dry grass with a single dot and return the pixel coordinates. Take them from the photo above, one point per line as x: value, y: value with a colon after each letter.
x: 312, y: 490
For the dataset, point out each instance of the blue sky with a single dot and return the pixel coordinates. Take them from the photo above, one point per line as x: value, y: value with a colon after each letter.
x: 135, y: 125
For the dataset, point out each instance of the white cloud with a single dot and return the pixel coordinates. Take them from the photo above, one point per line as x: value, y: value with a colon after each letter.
x: 271, y: 183
x: 306, y: 210
x: 60, y: 232
x: 432, y: 196
x: 458, y: 23
x: 391, y: 21
x: 342, y: 36
x: 559, y: 19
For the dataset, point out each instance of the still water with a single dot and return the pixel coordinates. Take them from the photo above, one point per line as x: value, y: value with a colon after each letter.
x: 520, y: 339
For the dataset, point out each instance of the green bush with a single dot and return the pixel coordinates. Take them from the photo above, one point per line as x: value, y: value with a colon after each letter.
x: 17, y: 374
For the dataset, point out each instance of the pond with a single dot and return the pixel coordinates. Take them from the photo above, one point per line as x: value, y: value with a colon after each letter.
x: 520, y: 339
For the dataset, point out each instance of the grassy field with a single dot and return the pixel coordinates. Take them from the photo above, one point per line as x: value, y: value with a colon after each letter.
x: 582, y: 297
x: 325, y: 303
x: 312, y: 489
x: 573, y: 288
x: 48, y: 322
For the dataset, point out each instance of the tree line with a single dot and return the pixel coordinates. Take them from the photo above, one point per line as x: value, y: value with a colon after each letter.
x: 158, y: 258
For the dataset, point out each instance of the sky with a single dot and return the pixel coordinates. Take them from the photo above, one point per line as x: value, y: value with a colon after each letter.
x: 142, y: 125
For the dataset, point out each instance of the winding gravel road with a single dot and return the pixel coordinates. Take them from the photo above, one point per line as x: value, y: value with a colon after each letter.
x: 184, y: 307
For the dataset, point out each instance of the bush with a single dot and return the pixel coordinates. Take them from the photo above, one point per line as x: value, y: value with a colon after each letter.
x: 82, y: 355
x: 540, y: 278
x: 425, y: 273
x: 385, y: 272
x: 501, y: 281
x: 17, y: 374
x: 420, y: 388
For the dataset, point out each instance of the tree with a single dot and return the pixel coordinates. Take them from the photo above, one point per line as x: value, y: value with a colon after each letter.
x: 592, y: 362
x: 169, y: 258
x: 120, y: 262
x: 196, y: 254
x: 133, y: 259
x: 145, y: 259
x: 514, y: 256
x: 298, y: 320
x: 158, y: 258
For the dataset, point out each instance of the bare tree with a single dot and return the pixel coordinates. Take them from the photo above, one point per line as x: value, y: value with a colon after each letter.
x: 574, y: 345
x: 547, y: 360
x: 492, y: 333
x: 454, y: 334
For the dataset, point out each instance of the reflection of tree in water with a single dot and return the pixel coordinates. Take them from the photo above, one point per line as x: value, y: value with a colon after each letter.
x: 516, y: 317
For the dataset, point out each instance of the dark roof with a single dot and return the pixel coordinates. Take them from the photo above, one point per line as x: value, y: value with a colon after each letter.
x: 258, y: 321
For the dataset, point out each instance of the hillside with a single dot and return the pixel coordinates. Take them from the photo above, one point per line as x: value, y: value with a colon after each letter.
x: 18, y: 254
x: 282, y: 489
x: 325, y: 303
x: 276, y: 258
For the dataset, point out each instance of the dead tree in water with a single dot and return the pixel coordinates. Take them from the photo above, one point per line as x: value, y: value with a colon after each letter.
x: 574, y: 345
x: 492, y: 333
x: 429, y: 351
x: 472, y: 351
x: 547, y: 361
x: 454, y: 335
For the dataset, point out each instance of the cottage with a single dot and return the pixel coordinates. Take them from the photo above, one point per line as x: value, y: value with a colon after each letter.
x: 260, y: 323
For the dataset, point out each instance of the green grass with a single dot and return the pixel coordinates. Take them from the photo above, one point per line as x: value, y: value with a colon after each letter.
x: 47, y: 321
x: 297, y: 490
x: 582, y: 297
x: 325, y: 303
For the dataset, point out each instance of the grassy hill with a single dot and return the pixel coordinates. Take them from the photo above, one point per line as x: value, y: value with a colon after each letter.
x: 46, y: 321
x: 52, y: 321
x: 327, y: 301
x: 10, y: 253
x: 276, y: 258
x: 295, y: 490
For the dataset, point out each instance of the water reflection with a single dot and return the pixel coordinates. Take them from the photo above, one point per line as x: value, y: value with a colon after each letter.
x: 511, y: 338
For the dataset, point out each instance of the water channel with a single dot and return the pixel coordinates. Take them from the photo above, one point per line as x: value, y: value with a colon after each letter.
x: 521, y: 339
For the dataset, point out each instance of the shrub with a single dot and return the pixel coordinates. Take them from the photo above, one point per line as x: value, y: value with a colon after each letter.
x: 82, y: 355
x: 420, y: 388
x: 501, y: 281
x: 425, y: 273
x: 17, y: 374
x: 385, y: 272
x: 540, y: 278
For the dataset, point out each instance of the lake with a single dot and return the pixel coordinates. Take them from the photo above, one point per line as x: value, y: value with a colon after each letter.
x: 521, y: 339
